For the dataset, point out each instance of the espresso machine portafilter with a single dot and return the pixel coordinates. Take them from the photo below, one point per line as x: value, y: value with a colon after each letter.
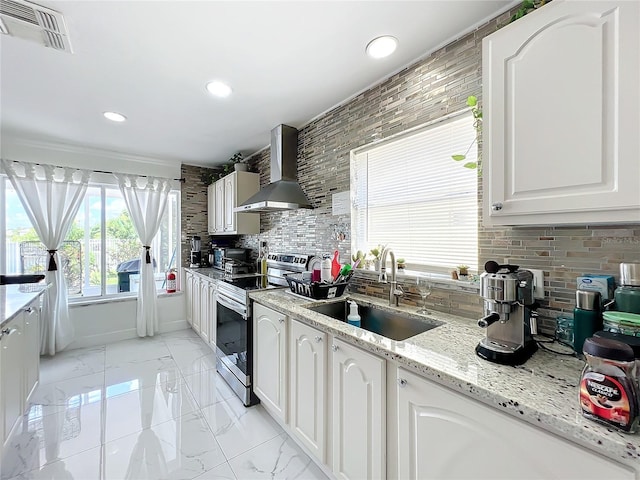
x: 509, y: 314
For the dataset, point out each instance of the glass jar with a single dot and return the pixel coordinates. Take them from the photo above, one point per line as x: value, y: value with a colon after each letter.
x: 608, y: 388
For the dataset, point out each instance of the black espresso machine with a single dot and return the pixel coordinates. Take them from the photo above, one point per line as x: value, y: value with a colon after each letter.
x: 510, y: 318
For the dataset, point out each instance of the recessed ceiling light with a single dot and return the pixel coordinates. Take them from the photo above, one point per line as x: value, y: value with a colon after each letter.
x: 114, y: 116
x: 219, y: 89
x: 382, y: 46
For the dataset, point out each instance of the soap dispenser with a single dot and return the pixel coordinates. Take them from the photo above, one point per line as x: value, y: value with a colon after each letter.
x: 353, y: 318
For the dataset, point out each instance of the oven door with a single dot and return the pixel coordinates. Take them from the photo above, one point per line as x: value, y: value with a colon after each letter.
x: 232, y: 332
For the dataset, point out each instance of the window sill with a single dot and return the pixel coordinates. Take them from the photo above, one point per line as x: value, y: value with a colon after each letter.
x: 83, y: 302
x: 438, y: 280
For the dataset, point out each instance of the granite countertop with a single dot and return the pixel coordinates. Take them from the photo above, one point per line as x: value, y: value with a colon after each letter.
x: 543, y: 391
x: 13, y: 298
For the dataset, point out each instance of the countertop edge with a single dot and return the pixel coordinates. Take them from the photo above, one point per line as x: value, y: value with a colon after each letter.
x: 14, y: 301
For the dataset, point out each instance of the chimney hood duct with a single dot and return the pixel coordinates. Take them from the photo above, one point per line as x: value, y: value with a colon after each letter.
x: 283, y: 193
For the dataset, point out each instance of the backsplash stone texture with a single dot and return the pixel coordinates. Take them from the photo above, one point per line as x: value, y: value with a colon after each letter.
x: 193, y: 209
x: 435, y: 86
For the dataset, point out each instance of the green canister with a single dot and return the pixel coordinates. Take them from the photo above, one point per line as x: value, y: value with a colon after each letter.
x: 587, y: 317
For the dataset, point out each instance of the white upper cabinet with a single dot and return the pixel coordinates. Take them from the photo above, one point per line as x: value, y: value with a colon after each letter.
x: 561, y: 90
x: 224, y: 196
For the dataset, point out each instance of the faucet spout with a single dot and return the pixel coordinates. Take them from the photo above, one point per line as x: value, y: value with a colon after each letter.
x: 395, y: 292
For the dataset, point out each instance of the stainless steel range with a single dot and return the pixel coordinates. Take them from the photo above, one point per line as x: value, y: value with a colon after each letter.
x: 234, y: 328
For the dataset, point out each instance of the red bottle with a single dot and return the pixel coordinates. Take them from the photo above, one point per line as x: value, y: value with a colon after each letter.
x: 171, y: 282
x: 335, y: 265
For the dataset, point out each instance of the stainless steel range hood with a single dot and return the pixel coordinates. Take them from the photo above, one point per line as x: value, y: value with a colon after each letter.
x: 283, y: 193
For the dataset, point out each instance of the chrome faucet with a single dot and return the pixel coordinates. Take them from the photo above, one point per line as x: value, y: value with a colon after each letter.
x: 395, y: 292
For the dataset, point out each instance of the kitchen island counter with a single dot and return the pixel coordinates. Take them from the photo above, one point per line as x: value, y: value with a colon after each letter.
x: 542, y: 392
x: 13, y: 298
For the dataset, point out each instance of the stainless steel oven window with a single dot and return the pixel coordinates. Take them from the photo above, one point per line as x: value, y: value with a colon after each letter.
x: 232, y: 332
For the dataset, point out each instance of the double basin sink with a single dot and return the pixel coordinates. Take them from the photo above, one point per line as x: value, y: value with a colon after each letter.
x: 391, y: 324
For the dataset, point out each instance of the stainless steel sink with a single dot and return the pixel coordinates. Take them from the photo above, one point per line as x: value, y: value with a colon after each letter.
x: 394, y: 325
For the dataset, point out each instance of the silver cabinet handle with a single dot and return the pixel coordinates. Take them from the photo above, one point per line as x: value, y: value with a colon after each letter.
x: 402, y: 382
x: 318, y: 338
x: 496, y: 206
x: 334, y: 348
x: 281, y: 320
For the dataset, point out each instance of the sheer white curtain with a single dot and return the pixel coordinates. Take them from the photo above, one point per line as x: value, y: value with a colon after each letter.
x: 51, y: 197
x: 146, y: 200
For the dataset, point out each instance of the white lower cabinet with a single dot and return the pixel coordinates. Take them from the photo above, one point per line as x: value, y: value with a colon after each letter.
x: 308, y: 374
x: 442, y: 434
x: 358, y: 413
x: 200, y: 293
x: 19, y: 365
x: 31, y: 348
x: 212, y: 313
x: 270, y: 379
x: 11, y: 375
x: 188, y: 291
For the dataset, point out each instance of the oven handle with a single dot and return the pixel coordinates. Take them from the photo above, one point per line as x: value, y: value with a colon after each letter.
x: 232, y: 305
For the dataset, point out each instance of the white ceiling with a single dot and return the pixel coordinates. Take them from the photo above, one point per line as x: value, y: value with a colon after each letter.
x: 287, y: 62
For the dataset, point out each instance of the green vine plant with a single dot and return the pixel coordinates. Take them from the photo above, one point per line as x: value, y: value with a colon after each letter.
x: 476, y: 111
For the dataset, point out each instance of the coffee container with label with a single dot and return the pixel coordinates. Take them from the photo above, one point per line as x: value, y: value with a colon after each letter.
x: 587, y: 317
x: 608, y: 387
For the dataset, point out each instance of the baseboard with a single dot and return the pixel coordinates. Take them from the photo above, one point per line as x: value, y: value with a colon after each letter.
x: 125, y: 334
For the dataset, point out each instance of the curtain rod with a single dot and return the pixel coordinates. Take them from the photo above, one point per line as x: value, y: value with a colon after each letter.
x: 181, y: 180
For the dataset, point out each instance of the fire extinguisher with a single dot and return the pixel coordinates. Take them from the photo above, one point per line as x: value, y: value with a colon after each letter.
x: 171, y: 281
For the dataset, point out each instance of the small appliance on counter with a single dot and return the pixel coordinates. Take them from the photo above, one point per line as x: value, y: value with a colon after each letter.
x: 509, y: 318
x: 222, y: 254
x: 196, y: 252
x: 587, y: 317
x: 627, y: 295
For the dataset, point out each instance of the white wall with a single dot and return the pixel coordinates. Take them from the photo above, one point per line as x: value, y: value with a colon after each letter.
x: 107, y: 322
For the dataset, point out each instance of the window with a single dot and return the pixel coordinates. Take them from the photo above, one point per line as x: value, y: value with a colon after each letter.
x: 410, y: 195
x: 100, y: 255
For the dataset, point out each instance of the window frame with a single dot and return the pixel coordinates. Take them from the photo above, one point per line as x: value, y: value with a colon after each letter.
x: 355, y: 155
x: 103, y: 182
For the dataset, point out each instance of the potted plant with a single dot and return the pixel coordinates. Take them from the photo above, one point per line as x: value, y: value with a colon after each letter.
x: 238, y: 162
x: 358, y: 256
x: 463, y: 272
x: 375, y: 254
x: 401, y: 263
x: 476, y: 110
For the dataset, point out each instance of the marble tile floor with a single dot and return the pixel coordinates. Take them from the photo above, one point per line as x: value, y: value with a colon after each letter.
x: 149, y: 408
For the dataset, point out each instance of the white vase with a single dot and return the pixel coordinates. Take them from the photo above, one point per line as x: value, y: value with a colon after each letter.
x: 240, y: 167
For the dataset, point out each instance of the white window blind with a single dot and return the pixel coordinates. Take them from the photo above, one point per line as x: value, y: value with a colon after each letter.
x: 409, y: 194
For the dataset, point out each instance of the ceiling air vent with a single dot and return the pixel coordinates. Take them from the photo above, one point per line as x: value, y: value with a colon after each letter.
x: 29, y: 21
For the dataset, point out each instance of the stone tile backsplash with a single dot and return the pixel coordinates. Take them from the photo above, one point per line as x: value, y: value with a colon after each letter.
x: 435, y: 86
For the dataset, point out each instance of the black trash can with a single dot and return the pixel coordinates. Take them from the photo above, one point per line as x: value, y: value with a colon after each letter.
x: 124, y: 269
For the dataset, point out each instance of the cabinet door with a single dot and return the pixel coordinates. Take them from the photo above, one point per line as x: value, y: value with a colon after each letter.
x: 307, y: 369
x: 443, y: 434
x: 229, y: 203
x: 270, y: 359
x: 195, y: 304
x: 31, y: 348
x: 204, y: 309
x: 188, y: 291
x: 212, y: 315
x: 12, y: 374
x: 561, y: 117
x: 219, y: 206
x: 211, y: 208
x: 358, y: 413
